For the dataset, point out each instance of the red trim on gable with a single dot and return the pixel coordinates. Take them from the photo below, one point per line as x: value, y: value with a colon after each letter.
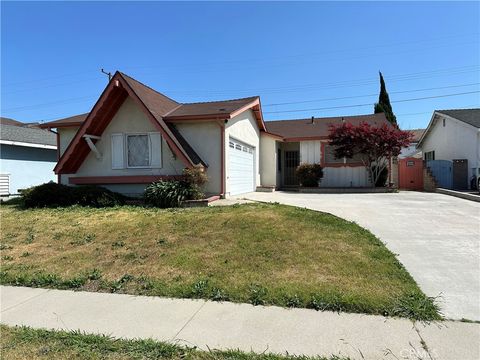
x: 110, y: 96
x: 98, y: 119
x: 136, y: 179
x: 163, y: 129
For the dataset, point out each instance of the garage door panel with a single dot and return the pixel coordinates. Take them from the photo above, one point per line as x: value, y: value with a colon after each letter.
x: 240, y: 168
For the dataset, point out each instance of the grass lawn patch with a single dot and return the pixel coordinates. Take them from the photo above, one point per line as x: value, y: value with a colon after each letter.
x: 26, y: 343
x: 254, y: 253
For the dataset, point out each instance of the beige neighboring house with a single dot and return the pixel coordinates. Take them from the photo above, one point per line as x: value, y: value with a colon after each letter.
x: 135, y: 135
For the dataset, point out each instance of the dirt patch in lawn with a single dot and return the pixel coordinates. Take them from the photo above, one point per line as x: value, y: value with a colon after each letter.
x: 256, y: 253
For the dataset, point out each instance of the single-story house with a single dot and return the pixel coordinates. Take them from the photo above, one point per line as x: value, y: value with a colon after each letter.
x: 454, y: 136
x: 135, y: 135
x: 412, y: 150
x: 27, y: 156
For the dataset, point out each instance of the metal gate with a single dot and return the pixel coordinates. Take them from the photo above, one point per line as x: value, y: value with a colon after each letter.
x: 442, y: 172
x: 460, y: 174
x: 292, y: 160
x: 410, y: 174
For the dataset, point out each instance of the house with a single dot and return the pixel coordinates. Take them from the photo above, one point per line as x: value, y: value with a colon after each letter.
x: 135, y: 135
x: 412, y: 150
x: 451, y: 145
x: 27, y: 156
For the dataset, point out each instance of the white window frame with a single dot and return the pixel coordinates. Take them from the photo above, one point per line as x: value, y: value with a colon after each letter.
x: 125, y: 150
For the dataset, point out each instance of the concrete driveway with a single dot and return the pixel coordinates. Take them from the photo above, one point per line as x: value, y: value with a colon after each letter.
x: 436, y: 237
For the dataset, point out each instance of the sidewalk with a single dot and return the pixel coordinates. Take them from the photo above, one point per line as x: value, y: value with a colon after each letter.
x: 226, y: 325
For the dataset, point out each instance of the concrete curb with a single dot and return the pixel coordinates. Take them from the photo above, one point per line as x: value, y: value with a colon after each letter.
x: 458, y: 194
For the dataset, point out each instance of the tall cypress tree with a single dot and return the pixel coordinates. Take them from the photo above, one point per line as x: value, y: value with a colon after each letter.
x: 383, y: 105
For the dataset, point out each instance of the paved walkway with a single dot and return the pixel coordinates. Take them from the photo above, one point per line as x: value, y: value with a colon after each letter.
x: 226, y: 325
x: 436, y: 237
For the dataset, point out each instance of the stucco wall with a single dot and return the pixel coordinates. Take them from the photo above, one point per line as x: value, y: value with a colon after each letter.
x: 345, y: 176
x: 66, y: 136
x: 205, y: 139
x: 455, y: 140
x: 268, y: 161
x: 27, y: 166
x: 129, y: 119
x: 244, y: 128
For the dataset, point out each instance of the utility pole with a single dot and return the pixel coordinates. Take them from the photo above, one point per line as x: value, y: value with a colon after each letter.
x: 107, y: 73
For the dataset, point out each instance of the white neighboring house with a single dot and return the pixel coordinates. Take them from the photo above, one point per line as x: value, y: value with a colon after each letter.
x: 454, y: 135
x: 412, y: 150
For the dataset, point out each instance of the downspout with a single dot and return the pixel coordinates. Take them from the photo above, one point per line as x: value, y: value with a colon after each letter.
x: 221, y: 126
x: 57, y: 135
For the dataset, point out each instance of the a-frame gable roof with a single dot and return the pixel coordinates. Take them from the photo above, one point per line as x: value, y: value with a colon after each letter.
x: 118, y: 89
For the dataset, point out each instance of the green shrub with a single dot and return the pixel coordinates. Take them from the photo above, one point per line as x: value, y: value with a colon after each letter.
x: 96, y: 196
x: 57, y: 195
x: 48, y: 195
x: 309, y: 174
x: 196, y: 178
x: 167, y: 194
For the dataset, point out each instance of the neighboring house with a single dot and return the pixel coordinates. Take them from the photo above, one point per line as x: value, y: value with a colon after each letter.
x: 135, y: 135
x: 412, y: 150
x: 453, y: 136
x: 27, y: 156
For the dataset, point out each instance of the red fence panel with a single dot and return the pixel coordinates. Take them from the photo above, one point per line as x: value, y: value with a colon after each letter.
x: 410, y: 174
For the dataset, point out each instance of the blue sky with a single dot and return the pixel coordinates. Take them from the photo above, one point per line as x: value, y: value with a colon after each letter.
x: 303, y: 59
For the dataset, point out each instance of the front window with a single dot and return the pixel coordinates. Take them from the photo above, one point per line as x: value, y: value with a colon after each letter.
x: 429, y: 155
x: 330, y: 156
x: 138, y: 150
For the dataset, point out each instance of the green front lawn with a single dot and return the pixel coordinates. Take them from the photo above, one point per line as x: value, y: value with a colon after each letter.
x: 254, y: 253
x: 26, y: 343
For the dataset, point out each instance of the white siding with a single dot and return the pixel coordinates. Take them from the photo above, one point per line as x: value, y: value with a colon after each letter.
x: 455, y: 140
x: 310, y: 152
x: 345, y: 176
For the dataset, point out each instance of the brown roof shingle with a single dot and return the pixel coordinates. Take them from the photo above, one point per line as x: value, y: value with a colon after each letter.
x: 305, y: 128
x: 213, y: 108
x: 76, y: 120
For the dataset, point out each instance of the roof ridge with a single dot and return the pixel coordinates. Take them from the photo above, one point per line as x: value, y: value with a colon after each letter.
x: 149, y: 87
x: 213, y: 101
x: 457, y: 109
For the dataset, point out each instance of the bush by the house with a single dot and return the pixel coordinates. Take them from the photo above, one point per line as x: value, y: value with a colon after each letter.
x: 196, y: 177
x: 57, y: 195
x: 97, y: 196
x: 309, y: 174
x: 166, y: 194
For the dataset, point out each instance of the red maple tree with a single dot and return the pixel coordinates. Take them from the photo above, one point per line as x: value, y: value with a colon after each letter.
x: 372, y: 145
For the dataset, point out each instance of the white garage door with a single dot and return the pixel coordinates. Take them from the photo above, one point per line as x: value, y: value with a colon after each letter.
x: 241, y: 176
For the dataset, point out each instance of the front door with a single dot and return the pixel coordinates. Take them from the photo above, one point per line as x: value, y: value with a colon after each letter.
x: 460, y: 174
x: 292, y: 160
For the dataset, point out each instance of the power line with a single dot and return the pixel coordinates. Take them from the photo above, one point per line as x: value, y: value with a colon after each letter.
x: 370, y: 104
x: 366, y: 95
x: 85, y: 98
